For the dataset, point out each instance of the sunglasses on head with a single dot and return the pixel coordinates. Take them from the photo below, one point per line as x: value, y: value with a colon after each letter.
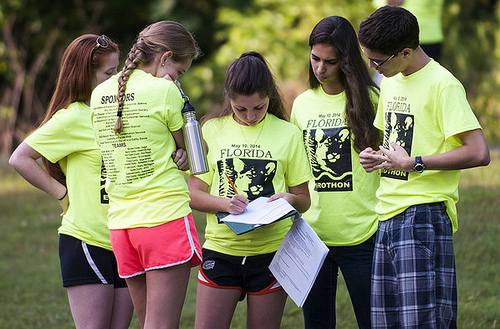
x: 102, y: 41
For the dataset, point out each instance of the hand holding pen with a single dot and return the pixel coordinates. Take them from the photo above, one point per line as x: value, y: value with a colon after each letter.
x: 238, y: 202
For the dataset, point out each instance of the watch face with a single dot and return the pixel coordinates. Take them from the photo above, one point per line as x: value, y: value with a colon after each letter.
x: 419, y: 165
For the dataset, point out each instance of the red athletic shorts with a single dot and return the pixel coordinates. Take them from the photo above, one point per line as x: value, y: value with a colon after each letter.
x: 142, y: 249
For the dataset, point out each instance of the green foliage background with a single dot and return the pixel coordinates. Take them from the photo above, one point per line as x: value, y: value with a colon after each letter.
x: 31, y: 295
x: 280, y: 28
x: 35, y: 33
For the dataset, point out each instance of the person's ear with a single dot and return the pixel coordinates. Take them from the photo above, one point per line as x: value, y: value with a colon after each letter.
x: 164, y: 58
x: 406, y: 52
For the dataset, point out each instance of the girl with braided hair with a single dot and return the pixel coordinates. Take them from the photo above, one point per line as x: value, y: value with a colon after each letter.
x: 151, y: 226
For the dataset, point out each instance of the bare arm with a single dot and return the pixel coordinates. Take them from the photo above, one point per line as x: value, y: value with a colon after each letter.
x: 179, y: 139
x: 180, y: 156
x: 201, y: 200
x: 472, y: 153
x: 23, y: 160
x: 297, y: 196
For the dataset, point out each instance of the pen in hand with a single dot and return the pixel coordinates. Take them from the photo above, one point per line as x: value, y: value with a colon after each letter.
x: 238, y: 202
x: 232, y: 185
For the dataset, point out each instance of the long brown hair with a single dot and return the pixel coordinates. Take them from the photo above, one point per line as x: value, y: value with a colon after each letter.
x: 78, y: 65
x: 158, y: 37
x: 337, y: 32
x: 247, y: 75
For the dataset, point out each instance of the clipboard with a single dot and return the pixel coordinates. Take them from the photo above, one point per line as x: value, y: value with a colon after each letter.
x: 259, y: 213
x: 240, y: 228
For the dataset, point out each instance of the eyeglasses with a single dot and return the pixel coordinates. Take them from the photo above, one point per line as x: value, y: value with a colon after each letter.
x: 385, y: 60
x: 102, y: 41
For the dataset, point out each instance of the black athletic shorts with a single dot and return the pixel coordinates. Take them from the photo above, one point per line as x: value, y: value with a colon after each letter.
x: 82, y: 263
x: 250, y: 274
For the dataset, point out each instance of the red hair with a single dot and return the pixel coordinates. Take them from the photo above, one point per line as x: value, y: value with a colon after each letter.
x: 78, y: 65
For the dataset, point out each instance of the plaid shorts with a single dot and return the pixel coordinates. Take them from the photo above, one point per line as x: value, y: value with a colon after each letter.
x: 413, y: 277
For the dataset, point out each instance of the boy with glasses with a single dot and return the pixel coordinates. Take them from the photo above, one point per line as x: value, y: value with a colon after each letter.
x: 430, y: 134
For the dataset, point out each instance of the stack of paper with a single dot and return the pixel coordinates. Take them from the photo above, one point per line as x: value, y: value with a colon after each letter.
x: 298, y: 261
x: 259, y: 212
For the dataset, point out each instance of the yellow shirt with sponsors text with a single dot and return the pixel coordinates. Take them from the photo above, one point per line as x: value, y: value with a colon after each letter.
x: 145, y: 186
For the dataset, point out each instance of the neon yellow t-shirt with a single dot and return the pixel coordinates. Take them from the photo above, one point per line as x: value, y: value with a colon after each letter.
x: 261, y: 160
x: 145, y: 186
x: 423, y: 113
x: 428, y: 14
x: 343, y: 196
x: 68, y: 138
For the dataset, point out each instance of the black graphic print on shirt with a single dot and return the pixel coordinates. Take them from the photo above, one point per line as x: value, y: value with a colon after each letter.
x: 329, y: 151
x: 398, y: 129
x: 104, y: 195
x: 252, y: 177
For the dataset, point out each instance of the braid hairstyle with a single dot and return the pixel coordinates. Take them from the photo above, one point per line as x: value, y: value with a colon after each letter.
x: 247, y: 75
x: 80, y: 60
x: 337, y: 32
x: 156, y: 38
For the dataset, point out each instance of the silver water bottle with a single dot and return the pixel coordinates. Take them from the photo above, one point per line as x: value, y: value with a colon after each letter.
x: 195, y: 146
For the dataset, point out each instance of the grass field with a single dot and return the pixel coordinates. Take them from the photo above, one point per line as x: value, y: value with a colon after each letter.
x: 31, y: 295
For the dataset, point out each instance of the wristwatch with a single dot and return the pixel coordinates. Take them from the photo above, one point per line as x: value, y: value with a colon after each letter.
x: 419, y: 165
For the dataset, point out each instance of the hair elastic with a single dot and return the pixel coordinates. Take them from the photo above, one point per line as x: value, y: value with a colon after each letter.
x: 65, y: 193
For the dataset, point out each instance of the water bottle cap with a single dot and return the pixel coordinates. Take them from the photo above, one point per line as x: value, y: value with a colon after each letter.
x: 187, y: 107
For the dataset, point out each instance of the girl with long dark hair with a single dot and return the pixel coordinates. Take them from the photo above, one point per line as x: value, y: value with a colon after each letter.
x: 336, y: 118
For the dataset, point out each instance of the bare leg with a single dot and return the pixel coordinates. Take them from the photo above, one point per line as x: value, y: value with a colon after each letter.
x: 91, y: 305
x: 166, y: 290
x: 266, y: 311
x: 137, y: 288
x: 215, y: 307
x: 122, y: 309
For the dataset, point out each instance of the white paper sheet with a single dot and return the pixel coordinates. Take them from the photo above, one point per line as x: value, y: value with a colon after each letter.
x: 298, y: 260
x: 261, y: 212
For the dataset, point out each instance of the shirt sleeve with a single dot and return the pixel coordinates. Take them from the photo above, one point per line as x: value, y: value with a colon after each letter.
x: 298, y: 170
x: 456, y: 114
x: 175, y: 104
x: 51, y: 140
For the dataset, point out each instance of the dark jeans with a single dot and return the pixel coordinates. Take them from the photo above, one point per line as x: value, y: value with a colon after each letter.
x: 355, y: 262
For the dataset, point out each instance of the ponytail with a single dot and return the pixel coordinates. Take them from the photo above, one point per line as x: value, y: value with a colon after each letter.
x: 156, y: 38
